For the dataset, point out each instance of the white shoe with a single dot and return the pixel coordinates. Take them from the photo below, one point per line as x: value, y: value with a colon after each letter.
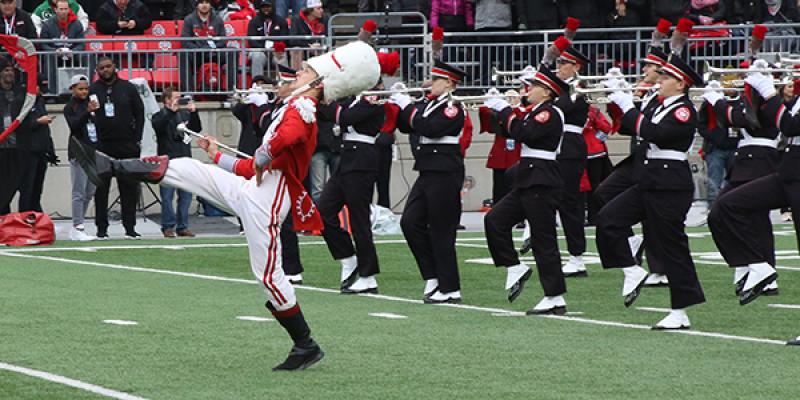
x: 364, y: 284
x: 635, y: 242
x: 700, y: 220
x: 295, y: 279
x: 787, y: 216
x: 656, y: 280
x: 677, y: 319
x: 771, y: 289
x: 574, y: 267
x: 349, y: 266
x: 77, y: 234
x: 431, y: 285
x: 632, y: 284
x: 513, y: 274
x: 758, y: 273
x: 439, y: 297
x: 549, y: 305
x: 739, y: 273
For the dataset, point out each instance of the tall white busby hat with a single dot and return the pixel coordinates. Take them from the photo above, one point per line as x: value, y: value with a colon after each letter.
x: 347, y: 71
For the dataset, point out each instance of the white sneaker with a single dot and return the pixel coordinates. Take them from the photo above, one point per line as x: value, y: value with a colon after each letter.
x: 632, y: 284
x: 656, y: 280
x: 549, y: 305
x: 635, y: 242
x: 677, y: 319
x: 439, y: 297
x: 431, y: 285
x: 349, y: 266
x: 366, y: 284
x: 513, y: 274
x: 77, y: 234
x: 574, y: 267
x: 700, y: 220
x: 295, y: 279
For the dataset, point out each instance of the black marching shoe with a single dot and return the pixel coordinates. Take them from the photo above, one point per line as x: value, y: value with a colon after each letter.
x: 794, y: 342
x: 740, y: 285
x: 301, y: 358
x: 749, y: 295
x: 99, y: 166
x: 526, y: 246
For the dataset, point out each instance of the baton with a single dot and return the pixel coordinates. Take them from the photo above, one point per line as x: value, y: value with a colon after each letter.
x: 184, y: 129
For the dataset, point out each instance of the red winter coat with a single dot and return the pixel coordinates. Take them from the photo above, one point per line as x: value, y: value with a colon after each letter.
x: 596, y: 122
x: 500, y: 157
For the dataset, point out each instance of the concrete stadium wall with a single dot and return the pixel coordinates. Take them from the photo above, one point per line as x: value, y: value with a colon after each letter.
x: 218, y: 120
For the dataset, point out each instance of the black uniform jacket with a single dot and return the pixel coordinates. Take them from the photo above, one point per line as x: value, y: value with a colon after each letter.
x: 358, y: 116
x: 671, y: 127
x: 435, y: 120
x: 541, y: 129
x: 576, y: 111
x: 751, y: 161
x: 647, y: 106
x: 789, y: 169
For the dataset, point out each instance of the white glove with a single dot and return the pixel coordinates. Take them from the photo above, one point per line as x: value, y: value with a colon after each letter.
x: 257, y: 98
x: 712, y: 96
x: 623, y: 99
x: 262, y: 155
x: 398, y: 87
x: 613, y: 73
x: 402, y: 100
x: 612, y: 83
x: 269, y: 44
x: 762, y: 83
x: 496, y: 103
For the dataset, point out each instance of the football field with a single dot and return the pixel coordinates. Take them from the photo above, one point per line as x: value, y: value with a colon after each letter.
x: 185, y: 319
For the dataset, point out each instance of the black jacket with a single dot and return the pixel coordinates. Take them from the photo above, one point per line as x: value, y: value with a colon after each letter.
x: 326, y: 140
x: 23, y: 25
x: 251, y: 134
x: 109, y: 15
x: 128, y: 120
x: 671, y: 10
x: 10, y: 106
x: 592, y: 13
x: 675, y: 131
x: 637, y: 13
x: 170, y: 141
x: 540, y: 129
x: 789, y: 170
x: 442, y: 121
x: 573, y: 146
x: 77, y: 120
x: 715, y: 137
x: 751, y: 162
x: 300, y: 28
x: 33, y: 136
x: 363, y: 117
x: 265, y: 25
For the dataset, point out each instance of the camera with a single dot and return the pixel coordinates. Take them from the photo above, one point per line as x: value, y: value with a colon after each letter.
x: 184, y: 101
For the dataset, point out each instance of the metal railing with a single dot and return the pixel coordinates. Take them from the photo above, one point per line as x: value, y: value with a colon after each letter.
x: 216, y: 71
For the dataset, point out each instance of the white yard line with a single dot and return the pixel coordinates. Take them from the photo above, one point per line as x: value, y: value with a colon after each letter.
x: 254, y: 319
x: 119, y: 322
x: 785, y: 306
x: 387, y: 315
x: 69, y: 382
x: 654, y: 309
x: 393, y: 298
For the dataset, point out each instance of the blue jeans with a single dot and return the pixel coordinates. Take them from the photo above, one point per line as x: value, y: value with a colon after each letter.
x: 321, y: 162
x: 718, y: 161
x: 282, y: 7
x: 168, y: 219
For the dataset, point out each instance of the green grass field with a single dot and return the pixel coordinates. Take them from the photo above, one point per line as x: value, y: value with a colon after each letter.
x: 189, y: 344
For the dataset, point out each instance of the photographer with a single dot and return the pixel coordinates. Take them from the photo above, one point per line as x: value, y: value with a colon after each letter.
x: 175, y: 144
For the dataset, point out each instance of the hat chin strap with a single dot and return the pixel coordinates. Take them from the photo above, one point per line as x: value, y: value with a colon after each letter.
x: 310, y: 85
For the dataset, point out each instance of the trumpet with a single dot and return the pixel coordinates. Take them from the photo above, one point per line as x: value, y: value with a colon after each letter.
x: 711, y: 71
x: 385, y: 94
x: 475, y: 102
x: 604, y: 77
x: 497, y: 74
x: 240, y: 95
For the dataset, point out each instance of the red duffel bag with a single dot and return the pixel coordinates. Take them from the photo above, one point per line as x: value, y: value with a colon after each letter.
x: 26, y: 229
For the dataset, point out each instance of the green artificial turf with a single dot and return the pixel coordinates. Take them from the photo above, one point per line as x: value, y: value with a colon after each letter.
x: 188, y: 343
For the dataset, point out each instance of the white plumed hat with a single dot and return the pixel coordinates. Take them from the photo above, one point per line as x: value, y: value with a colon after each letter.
x: 347, y: 71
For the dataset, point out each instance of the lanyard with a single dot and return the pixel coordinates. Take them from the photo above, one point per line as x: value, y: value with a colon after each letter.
x: 10, y: 25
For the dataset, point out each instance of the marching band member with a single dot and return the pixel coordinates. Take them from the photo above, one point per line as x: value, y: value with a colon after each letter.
x: 279, y: 166
x: 537, y: 181
x: 505, y: 150
x: 756, y: 156
x: 624, y: 174
x: 662, y: 195
x: 572, y: 160
x: 351, y: 185
x: 433, y: 208
x: 735, y: 219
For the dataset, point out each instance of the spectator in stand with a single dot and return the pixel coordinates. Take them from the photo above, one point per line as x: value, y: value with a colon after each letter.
x: 47, y: 10
x: 537, y: 14
x: 15, y: 21
x: 626, y: 14
x: 120, y: 120
x: 62, y: 25
x: 241, y: 10
x: 265, y: 23
x: 173, y: 144
x: 719, y: 150
x: 91, y: 7
x: 452, y: 15
x: 36, y: 141
x: 79, y: 113
x: 12, y: 157
x: 282, y: 8
x: 598, y: 165
x: 671, y: 10
x: 311, y: 21
x: 707, y: 12
x: 160, y: 9
x: 493, y: 16
x: 182, y: 8
x: 204, y: 24
x: 591, y: 13
x: 123, y: 17
x: 744, y: 11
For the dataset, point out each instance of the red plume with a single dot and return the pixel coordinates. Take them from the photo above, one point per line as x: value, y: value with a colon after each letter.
x: 389, y: 62
x: 572, y: 27
x: 662, y: 30
x: 279, y: 47
x: 555, y: 50
x: 681, y: 35
x: 370, y: 26
x: 757, y: 39
x: 744, y: 64
x: 438, y: 42
x: 438, y: 33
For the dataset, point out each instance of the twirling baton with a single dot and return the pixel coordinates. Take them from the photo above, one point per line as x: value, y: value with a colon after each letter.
x: 184, y: 129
